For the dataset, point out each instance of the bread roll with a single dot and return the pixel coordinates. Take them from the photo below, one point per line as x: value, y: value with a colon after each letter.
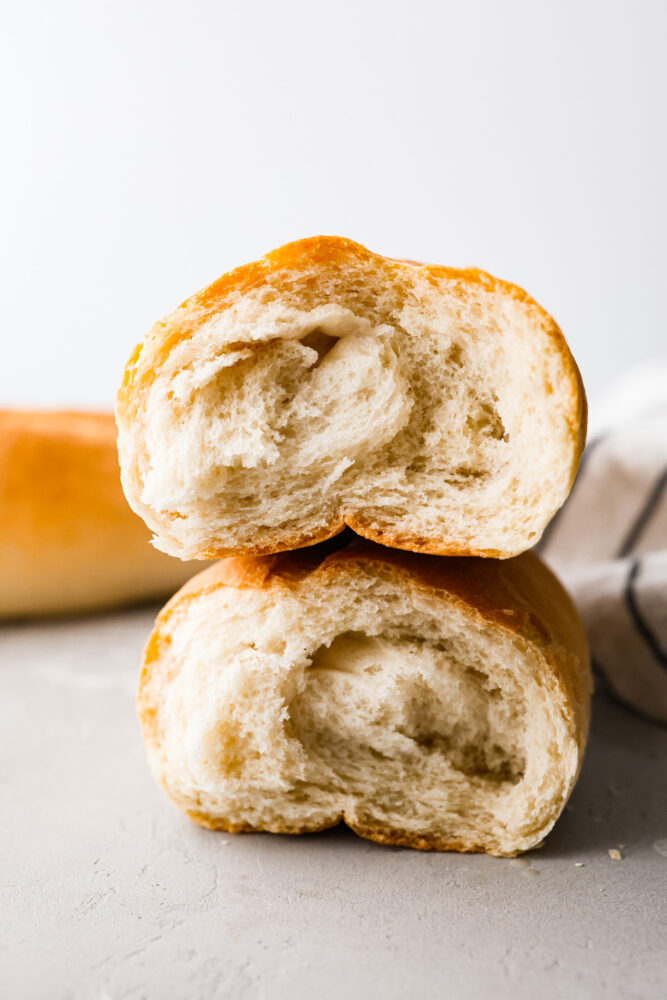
x: 428, y: 408
x: 68, y: 540
x: 434, y: 703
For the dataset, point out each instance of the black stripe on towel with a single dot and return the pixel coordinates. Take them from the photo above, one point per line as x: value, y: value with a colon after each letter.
x: 604, y: 686
x: 640, y: 624
x: 583, y: 462
x: 644, y: 516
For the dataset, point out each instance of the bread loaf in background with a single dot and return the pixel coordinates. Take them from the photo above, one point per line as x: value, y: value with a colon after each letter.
x: 434, y: 703
x: 430, y: 409
x: 69, y: 542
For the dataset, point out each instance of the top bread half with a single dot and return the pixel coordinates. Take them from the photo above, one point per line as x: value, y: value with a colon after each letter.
x: 427, y: 408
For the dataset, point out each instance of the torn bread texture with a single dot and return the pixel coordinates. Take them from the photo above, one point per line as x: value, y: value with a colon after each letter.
x: 434, y: 703
x: 428, y: 408
x: 69, y: 542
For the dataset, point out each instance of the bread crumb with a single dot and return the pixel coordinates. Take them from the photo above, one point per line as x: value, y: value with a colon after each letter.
x: 615, y: 854
x: 578, y: 864
x: 622, y: 846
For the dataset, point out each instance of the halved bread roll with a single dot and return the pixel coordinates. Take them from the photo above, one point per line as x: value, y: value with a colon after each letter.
x: 435, y: 703
x: 428, y: 408
x: 69, y: 542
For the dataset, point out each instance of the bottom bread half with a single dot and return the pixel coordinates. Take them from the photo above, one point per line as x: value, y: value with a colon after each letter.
x: 434, y: 703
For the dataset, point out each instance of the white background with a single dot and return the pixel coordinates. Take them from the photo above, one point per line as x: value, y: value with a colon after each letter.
x: 148, y: 147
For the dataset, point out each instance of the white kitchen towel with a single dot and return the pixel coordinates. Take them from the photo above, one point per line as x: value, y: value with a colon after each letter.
x: 609, y: 542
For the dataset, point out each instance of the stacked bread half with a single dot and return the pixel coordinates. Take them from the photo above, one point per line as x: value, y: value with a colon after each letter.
x: 369, y: 446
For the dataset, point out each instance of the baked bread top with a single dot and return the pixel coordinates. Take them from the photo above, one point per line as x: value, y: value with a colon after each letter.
x: 428, y: 408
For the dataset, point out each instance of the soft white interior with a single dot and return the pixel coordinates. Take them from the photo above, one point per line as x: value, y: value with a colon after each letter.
x: 367, y: 701
x: 433, y: 420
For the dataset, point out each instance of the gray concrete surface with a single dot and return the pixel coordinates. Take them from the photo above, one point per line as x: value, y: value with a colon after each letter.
x: 109, y: 893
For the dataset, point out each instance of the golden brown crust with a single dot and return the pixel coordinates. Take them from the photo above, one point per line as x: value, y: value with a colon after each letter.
x: 68, y: 539
x: 518, y: 595
x: 324, y: 252
x: 379, y: 835
x: 335, y: 254
x: 508, y: 592
x: 391, y: 837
